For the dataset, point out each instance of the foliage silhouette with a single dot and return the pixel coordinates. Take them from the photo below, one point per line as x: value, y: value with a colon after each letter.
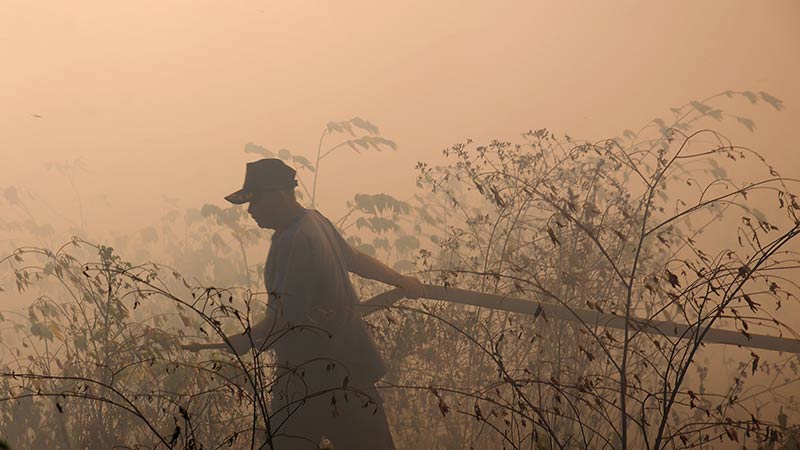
x: 660, y: 224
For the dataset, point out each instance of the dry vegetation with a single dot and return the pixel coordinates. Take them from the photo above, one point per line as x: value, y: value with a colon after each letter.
x: 672, y: 223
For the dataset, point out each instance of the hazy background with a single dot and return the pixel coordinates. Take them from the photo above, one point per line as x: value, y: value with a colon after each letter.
x: 158, y: 97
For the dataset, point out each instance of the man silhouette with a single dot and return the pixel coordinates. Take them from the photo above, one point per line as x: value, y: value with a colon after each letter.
x: 328, y: 362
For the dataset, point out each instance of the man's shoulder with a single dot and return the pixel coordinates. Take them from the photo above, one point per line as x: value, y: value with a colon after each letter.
x: 315, y: 223
x: 312, y: 227
x: 313, y: 214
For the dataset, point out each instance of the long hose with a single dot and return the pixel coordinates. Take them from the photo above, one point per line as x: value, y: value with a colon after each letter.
x: 589, y: 317
x: 559, y: 312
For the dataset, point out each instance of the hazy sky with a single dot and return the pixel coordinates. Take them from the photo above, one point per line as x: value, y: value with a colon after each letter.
x: 159, y: 97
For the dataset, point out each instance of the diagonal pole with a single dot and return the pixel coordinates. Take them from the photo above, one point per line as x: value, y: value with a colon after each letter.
x: 559, y: 312
x: 590, y: 317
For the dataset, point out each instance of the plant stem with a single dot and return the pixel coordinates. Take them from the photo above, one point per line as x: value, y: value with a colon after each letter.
x: 316, y: 171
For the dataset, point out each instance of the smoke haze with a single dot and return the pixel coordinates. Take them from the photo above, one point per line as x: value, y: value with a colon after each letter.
x: 158, y: 98
x: 112, y: 113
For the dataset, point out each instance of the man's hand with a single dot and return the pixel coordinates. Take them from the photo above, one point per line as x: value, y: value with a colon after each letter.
x: 412, y: 287
x: 196, y: 346
x: 239, y: 342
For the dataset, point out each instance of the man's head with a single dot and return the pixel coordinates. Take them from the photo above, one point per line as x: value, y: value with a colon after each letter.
x: 269, y: 188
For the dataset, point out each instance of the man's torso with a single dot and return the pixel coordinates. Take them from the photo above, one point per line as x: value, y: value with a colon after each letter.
x: 307, y: 277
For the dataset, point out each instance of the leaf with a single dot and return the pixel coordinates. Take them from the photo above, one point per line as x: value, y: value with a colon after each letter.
x: 403, y: 266
x: 553, y: 237
x: 303, y: 162
x: 81, y: 343
x: 497, y: 198
x: 175, y: 434
x: 716, y: 170
x: 218, y: 241
x: 334, y: 127
x: 258, y: 150
x: 732, y: 435
x: 362, y: 143
x: 753, y: 305
x: 702, y: 107
x: 746, y: 334
x: 773, y: 287
x: 11, y: 195
x: 375, y: 142
x: 366, y: 248
x: 389, y: 143
x: 38, y: 329
x: 773, y: 101
x: 381, y: 243
x: 382, y: 224
x: 443, y: 408
x: 362, y: 223
x: 284, y: 154
x: 673, y: 280
x: 743, y: 271
x: 478, y: 412
x: 406, y: 243
x: 747, y: 123
x: 378, y: 203
x: 210, y: 210
x: 347, y: 127
x: 750, y: 96
x: 425, y: 215
x: 365, y: 125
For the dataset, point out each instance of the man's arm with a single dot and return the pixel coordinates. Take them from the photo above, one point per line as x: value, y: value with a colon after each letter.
x: 240, y: 343
x: 264, y: 333
x: 357, y: 262
x: 366, y: 266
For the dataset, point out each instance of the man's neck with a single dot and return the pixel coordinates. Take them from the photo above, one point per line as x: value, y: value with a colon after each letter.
x: 292, y: 216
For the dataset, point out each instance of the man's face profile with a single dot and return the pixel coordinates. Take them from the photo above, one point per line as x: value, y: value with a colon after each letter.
x: 268, y: 208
